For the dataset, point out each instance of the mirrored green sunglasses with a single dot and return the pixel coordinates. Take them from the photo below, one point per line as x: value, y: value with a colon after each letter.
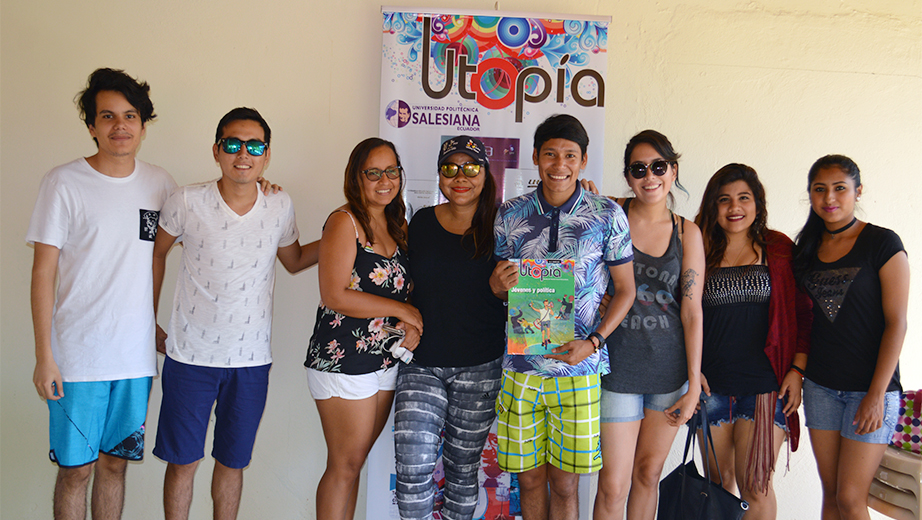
x: 233, y: 145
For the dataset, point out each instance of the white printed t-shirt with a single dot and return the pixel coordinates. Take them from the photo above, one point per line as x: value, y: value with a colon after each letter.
x: 222, y: 307
x: 103, y: 323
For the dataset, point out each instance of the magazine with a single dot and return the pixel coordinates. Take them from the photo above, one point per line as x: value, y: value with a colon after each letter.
x: 541, y: 307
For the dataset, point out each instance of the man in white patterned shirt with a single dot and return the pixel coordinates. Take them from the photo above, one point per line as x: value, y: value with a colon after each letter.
x: 218, y: 339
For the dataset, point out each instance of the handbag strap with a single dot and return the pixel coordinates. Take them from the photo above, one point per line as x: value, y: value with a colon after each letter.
x: 690, y: 438
x: 708, y: 439
x: 700, y: 419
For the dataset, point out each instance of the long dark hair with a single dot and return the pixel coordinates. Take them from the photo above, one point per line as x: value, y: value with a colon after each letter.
x: 715, y: 239
x: 481, y: 230
x: 810, y: 236
x: 661, y: 144
x: 395, y: 212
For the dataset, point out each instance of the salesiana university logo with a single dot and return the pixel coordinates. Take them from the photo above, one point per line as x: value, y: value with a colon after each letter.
x: 397, y: 113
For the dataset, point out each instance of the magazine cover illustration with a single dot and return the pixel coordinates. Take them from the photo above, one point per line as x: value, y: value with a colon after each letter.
x: 540, y: 307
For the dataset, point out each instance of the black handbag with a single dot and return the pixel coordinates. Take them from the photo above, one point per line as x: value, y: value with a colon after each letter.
x: 685, y: 495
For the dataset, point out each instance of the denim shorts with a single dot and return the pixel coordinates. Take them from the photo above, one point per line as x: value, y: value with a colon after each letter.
x: 617, y: 407
x: 722, y: 410
x: 828, y: 409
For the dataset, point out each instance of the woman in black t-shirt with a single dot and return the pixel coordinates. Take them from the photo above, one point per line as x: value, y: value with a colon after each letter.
x: 858, y: 277
x: 454, y: 378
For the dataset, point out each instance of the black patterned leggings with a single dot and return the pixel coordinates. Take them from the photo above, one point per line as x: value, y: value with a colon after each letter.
x: 462, y: 400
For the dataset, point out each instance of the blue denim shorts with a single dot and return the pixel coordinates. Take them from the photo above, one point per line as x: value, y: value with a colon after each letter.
x: 722, y: 410
x: 828, y: 409
x: 618, y: 407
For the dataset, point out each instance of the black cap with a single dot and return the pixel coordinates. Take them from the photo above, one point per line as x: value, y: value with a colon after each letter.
x: 470, y: 146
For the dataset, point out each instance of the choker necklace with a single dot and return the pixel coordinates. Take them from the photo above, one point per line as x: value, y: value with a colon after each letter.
x: 843, y: 228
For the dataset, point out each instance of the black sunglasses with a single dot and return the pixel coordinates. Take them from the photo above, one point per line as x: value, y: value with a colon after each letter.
x: 233, y: 145
x: 638, y: 170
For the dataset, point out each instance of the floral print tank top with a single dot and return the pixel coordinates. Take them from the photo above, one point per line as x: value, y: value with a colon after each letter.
x: 358, y: 345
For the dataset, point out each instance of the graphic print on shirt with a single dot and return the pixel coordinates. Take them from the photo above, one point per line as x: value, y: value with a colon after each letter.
x: 829, y: 288
x: 660, y: 296
x: 148, y: 224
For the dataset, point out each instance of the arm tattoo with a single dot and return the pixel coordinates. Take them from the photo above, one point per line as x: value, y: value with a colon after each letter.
x: 689, y: 281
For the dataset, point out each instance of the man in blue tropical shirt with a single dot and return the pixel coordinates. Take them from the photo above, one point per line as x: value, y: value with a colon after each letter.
x: 549, y: 405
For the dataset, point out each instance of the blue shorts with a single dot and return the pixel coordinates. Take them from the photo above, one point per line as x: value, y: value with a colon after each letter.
x: 828, y: 409
x: 189, y: 391
x: 98, y: 417
x: 722, y: 410
x: 617, y: 407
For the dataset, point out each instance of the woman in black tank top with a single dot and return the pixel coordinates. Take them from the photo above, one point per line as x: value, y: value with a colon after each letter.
x: 756, y: 327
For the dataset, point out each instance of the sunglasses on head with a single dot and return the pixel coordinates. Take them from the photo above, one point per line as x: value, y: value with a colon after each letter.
x: 374, y: 174
x: 638, y: 170
x: 233, y: 145
x: 450, y: 171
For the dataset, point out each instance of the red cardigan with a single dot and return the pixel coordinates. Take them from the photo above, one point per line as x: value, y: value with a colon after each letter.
x: 790, y: 317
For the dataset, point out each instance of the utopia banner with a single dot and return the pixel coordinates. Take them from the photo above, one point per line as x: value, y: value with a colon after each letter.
x: 492, y: 75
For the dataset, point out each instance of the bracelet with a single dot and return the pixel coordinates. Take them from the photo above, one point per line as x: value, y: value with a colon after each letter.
x: 798, y: 370
x: 599, y: 338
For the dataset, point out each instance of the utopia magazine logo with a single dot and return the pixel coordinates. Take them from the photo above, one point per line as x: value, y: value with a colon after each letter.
x: 496, y: 62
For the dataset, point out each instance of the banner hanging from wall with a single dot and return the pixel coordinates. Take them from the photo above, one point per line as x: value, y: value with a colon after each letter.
x: 492, y: 75
x: 496, y: 76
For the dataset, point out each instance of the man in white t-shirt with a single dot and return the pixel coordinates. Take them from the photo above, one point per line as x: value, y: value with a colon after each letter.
x: 93, y: 226
x: 217, y: 345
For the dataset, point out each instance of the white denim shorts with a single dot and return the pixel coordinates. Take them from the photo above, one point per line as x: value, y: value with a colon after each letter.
x: 324, y: 385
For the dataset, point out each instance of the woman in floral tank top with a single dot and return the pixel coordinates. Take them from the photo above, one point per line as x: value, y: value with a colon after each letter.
x: 363, y: 289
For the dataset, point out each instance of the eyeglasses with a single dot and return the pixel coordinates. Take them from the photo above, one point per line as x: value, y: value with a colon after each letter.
x: 638, y: 170
x: 374, y: 174
x: 450, y: 171
x: 233, y: 145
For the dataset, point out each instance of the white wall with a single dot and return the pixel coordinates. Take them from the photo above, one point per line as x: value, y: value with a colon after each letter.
x: 772, y: 85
